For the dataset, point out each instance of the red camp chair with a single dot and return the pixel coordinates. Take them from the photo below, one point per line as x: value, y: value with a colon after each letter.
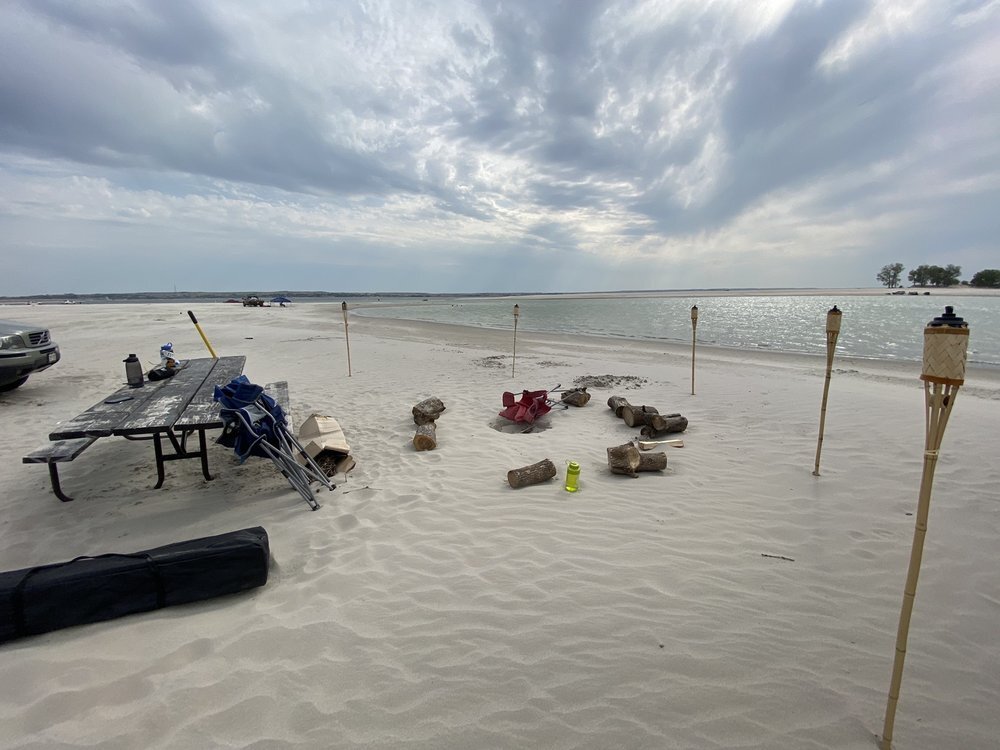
x: 528, y: 408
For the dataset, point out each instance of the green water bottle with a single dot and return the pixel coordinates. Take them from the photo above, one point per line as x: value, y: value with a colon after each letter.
x: 572, y: 476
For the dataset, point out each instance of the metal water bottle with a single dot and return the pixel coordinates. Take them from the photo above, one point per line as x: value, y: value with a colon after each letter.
x: 572, y: 476
x: 133, y: 371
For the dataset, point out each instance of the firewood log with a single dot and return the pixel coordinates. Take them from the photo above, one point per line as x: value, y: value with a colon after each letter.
x: 663, y: 425
x: 576, y: 397
x: 652, y: 462
x: 617, y: 403
x: 425, y: 438
x: 427, y: 410
x: 636, y: 416
x: 624, y: 459
x: 533, y: 474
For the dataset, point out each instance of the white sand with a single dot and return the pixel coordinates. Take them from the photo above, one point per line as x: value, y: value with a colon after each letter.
x: 428, y: 605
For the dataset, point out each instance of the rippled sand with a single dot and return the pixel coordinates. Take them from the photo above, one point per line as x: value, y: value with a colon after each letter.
x: 429, y: 605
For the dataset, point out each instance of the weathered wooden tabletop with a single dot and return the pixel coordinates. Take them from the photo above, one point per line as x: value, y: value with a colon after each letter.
x: 184, y: 401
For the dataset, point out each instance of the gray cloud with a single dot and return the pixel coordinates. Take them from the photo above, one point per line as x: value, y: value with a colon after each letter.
x: 635, y: 131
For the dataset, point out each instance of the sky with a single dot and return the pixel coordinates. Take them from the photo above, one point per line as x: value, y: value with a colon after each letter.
x: 495, y: 146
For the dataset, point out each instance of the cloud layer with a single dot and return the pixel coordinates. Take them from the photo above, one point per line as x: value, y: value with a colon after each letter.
x: 494, y: 146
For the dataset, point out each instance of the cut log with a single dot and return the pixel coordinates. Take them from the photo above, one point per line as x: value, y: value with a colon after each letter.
x: 427, y: 410
x: 425, y: 438
x: 533, y: 474
x: 652, y: 462
x: 636, y: 416
x: 624, y: 459
x: 576, y: 397
x: 668, y: 422
x: 617, y: 403
x: 664, y: 425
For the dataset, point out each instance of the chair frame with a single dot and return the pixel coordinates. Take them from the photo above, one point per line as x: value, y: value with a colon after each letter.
x: 299, y: 476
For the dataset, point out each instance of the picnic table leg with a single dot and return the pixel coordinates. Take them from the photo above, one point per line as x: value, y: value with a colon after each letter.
x: 203, y: 448
x: 158, y: 452
x: 54, y: 476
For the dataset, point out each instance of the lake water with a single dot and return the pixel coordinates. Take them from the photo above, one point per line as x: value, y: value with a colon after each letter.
x: 873, y: 327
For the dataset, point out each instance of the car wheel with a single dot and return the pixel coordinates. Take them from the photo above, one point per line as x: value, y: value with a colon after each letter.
x: 16, y: 384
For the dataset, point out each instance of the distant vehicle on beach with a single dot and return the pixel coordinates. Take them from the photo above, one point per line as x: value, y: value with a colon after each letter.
x: 24, y: 349
x: 254, y: 301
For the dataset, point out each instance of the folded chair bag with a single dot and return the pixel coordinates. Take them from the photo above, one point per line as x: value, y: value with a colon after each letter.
x: 92, y: 589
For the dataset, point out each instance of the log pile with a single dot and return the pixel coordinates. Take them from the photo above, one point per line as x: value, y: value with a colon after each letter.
x: 647, y: 418
x: 425, y: 415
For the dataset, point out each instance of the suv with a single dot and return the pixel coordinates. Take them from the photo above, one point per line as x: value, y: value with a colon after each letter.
x: 24, y: 349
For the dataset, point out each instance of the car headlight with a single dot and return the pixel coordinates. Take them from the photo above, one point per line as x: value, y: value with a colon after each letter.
x: 11, y: 342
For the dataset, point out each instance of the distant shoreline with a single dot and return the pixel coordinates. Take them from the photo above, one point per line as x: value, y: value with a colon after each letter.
x: 120, y: 297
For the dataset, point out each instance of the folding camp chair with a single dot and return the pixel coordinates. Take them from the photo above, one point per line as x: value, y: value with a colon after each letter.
x: 529, y: 407
x: 255, y: 425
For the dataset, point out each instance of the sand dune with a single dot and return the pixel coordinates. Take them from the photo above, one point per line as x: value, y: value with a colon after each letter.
x: 733, y: 601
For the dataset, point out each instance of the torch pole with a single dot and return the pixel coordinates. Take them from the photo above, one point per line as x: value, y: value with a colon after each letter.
x: 347, y: 339
x: 833, y: 319
x: 694, y: 339
x: 946, y: 340
x: 513, y: 358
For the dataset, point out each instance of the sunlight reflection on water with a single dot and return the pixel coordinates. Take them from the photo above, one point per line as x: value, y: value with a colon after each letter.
x: 873, y: 327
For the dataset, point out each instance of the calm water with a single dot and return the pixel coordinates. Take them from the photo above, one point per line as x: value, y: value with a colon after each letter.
x: 875, y: 327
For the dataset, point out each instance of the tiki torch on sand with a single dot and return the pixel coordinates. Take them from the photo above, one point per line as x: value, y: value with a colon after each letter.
x: 946, y: 342
x: 832, y: 332
x: 343, y: 307
x: 694, y: 328
x: 513, y: 358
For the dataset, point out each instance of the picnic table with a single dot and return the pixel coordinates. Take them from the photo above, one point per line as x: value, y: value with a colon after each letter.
x: 173, y: 408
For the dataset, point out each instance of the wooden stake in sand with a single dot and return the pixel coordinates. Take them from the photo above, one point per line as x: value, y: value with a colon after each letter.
x: 517, y: 311
x: 946, y: 342
x: 694, y: 329
x: 833, y: 319
x: 343, y: 307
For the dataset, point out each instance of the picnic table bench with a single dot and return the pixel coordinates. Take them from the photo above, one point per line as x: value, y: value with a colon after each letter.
x: 175, y: 408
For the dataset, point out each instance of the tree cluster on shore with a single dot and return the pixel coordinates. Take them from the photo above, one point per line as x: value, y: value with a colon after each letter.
x: 926, y: 275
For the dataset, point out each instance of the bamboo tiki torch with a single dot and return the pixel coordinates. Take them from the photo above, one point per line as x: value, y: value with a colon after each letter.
x: 343, y: 308
x: 694, y: 329
x: 946, y: 342
x: 833, y: 319
x: 513, y: 358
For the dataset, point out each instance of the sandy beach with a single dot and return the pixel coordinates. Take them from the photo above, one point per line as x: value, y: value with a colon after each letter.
x: 731, y: 601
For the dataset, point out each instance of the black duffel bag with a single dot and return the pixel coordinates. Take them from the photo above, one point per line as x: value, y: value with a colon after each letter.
x: 92, y: 589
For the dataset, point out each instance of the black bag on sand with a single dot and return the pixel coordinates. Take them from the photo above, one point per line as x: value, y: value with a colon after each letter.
x: 92, y: 589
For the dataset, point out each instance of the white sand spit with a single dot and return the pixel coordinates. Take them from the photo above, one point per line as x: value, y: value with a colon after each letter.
x: 429, y: 605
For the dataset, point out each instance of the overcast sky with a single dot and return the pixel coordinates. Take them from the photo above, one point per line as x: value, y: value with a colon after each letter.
x: 494, y: 146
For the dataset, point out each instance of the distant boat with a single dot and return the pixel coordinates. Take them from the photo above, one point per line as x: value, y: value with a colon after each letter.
x: 70, y: 302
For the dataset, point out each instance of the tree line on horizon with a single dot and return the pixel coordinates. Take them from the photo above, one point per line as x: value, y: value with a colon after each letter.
x: 927, y: 275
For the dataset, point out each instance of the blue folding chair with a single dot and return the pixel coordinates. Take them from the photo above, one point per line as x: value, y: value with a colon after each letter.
x: 255, y: 425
